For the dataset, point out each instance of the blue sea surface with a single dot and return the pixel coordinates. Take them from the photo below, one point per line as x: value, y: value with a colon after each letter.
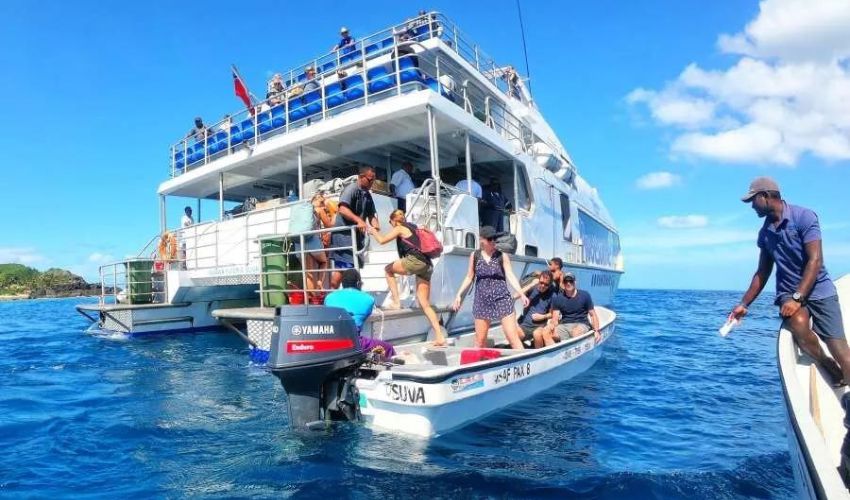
x: 672, y: 410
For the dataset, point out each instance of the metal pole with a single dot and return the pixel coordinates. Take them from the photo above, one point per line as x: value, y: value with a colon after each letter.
x: 221, y: 196
x: 468, y: 158
x: 163, y: 226
x: 435, y: 165
x: 300, y: 172
x: 198, y: 221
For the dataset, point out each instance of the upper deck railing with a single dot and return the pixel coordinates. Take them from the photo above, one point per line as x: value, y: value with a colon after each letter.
x: 377, y: 66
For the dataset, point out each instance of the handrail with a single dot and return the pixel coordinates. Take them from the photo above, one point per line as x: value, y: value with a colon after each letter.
x: 301, y: 253
x: 219, y: 138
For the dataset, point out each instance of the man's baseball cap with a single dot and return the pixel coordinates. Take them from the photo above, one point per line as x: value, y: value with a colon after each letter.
x: 760, y: 185
x: 569, y: 277
x: 343, y: 30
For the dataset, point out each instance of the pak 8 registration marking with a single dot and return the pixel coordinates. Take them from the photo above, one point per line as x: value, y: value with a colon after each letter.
x: 512, y: 373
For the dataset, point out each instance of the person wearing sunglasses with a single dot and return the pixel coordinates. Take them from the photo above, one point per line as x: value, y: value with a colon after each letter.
x: 533, y: 320
x: 572, y: 313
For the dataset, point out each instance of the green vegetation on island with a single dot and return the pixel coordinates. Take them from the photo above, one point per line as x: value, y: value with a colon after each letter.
x: 20, y: 281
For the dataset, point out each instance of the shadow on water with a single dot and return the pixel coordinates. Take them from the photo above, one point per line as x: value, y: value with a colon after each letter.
x: 670, y: 411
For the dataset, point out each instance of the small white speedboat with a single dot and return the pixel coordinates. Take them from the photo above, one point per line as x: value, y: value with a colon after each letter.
x: 425, y: 391
x: 814, y: 414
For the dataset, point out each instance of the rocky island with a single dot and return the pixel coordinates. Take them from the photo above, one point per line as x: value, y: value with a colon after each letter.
x: 18, y: 281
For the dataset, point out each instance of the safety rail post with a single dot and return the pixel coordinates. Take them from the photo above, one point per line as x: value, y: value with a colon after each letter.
x: 216, y: 245
x: 102, y: 286
x: 365, y: 76
x: 256, y: 129
x: 302, y: 248
x: 115, y: 283
x: 286, y: 111
x: 247, y: 260
x: 477, y: 63
x: 324, y: 96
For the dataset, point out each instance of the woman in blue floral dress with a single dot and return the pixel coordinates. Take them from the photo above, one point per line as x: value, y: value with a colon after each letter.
x: 491, y: 271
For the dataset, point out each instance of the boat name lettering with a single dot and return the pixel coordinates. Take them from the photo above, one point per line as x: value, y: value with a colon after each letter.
x: 312, y: 330
x: 512, y: 373
x: 405, y: 393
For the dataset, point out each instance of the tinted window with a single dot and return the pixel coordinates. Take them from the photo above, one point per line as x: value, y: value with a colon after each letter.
x: 565, y: 217
x: 601, y: 246
x: 522, y: 189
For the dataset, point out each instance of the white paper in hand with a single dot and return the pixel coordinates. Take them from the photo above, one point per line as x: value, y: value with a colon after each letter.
x: 727, y: 327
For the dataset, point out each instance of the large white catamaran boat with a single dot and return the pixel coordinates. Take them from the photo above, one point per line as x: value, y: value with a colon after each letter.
x: 419, y: 92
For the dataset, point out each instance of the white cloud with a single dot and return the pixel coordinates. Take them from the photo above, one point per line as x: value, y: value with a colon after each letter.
x: 100, y: 258
x: 26, y: 256
x: 682, y: 221
x: 658, y: 180
x: 787, y: 96
x: 794, y: 30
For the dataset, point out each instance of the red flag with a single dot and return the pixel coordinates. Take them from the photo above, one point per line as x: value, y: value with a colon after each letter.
x: 241, y: 90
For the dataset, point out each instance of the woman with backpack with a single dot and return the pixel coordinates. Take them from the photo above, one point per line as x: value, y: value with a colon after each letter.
x: 491, y: 270
x: 412, y: 261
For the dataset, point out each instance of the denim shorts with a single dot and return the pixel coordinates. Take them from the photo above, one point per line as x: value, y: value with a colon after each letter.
x: 826, y: 318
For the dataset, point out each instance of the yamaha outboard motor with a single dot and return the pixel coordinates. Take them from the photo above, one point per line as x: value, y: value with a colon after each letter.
x: 315, y: 351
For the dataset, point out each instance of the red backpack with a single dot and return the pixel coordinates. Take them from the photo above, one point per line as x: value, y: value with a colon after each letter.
x: 429, y: 245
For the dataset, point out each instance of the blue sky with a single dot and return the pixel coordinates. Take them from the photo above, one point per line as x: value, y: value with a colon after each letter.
x: 668, y: 108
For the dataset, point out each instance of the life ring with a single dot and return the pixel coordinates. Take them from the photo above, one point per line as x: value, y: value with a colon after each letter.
x: 168, y: 247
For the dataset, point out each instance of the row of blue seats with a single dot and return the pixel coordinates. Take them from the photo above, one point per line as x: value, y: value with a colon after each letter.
x: 338, y: 93
x: 352, y: 53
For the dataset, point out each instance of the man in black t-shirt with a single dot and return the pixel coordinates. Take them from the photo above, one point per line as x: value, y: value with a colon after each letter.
x: 533, y: 320
x: 570, y: 313
x: 356, y: 208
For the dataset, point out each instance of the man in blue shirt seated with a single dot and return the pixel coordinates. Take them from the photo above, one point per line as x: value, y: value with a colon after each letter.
x: 790, y: 238
x: 533, y: 319
x: 570, y: 313
x: 359, y: 305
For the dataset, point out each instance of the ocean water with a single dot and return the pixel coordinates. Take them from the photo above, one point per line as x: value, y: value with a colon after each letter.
x: 672, y: 410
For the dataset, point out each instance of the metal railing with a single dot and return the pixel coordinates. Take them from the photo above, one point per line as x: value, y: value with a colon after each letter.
x: 285, y: 281
x: 132, y: 281
x: 328, y: 98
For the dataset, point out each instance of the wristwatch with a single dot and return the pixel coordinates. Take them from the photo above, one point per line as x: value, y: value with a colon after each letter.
x: 798, y: 297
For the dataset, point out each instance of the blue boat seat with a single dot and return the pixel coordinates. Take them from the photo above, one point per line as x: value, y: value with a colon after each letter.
x: 409, y: 69
x: 235, y: 135
x: 248, y: 129
x: 387, y: 42
x: 353, y: 88
x: 379, y: 79
x: 351, y: 56
x: 264, y: 122
x: 329, y: 66
x: 436, y: 87
x: 371, y: 48
x: 219, y: 142
x: 334, y: 95
x: 179, y: 160
x: 278, y: 116
x: 312, y: 102
x: 197, y: 152
x: 297, y: 110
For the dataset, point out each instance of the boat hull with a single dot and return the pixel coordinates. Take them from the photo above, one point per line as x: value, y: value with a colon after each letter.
x: 410, y: 404
x: 813, y: 415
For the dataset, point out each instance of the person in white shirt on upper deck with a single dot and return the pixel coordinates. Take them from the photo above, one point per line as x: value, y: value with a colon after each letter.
x: 402, y: 184
x: 187, y: 219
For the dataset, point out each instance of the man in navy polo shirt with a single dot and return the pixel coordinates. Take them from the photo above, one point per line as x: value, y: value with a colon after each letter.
x: 573, y: 314
x: 791, y: 239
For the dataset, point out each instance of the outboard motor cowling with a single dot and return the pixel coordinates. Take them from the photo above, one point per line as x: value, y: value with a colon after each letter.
x: 315, y: 351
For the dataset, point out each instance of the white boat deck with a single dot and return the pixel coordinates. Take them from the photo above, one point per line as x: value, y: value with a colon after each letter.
x: 816, y: 430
